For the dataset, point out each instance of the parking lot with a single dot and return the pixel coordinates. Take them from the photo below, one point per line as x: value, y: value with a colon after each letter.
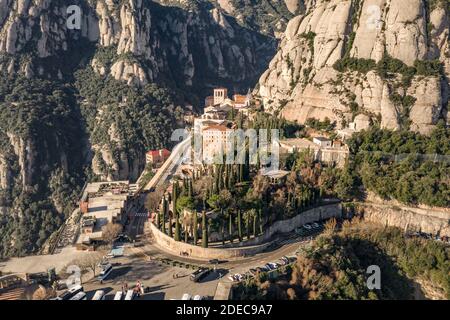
x: 164, y: 282
x: 164, y: 276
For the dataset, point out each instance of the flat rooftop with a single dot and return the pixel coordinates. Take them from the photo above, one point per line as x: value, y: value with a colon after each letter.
x: 98, y: 189
x: 300, y: 143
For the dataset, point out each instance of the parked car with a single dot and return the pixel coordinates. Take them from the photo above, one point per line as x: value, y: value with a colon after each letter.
x: 253, y: 271
x: 197, y: 297
x: 138, y: 244
x: 292, y: 259
x: 307, y: 227
x: 315, y: 225
x: 282, y: 262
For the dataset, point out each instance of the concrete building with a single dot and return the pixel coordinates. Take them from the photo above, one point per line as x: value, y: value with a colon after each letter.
x: 324, y: 150
x: 215, y: 138
x: 103, y: 203
x: 323, y: 142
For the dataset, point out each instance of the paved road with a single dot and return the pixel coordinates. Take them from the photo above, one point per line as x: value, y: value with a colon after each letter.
x: 169, y: 167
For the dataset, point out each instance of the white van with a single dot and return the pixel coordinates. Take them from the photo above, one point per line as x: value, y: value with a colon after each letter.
x: 118, y: 295
x: 106, y: 270
x: 99, y: 295
x: 186, y: 296
x: 129, y: 295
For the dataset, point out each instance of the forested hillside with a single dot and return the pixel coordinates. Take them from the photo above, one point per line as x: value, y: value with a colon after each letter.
x: 83, y: 105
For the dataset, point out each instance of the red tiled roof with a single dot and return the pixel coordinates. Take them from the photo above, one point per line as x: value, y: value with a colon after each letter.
x: 155, y: 153
x: 239, y: 98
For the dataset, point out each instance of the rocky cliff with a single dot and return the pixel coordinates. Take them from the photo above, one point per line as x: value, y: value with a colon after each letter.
x: 386, y: 61
x: 150, y: 42
x: 432, y: 221
x: 86, y: 103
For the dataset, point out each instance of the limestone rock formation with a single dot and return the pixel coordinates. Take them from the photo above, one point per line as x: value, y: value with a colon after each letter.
x: 303, y: 81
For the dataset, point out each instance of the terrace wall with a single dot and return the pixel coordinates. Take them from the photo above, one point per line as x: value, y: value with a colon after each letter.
x: 246, y: 248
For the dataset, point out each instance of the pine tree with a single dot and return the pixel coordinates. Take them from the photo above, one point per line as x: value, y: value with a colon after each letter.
x: 204, y: 230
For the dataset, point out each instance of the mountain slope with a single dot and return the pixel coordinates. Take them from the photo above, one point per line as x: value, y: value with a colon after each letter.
x: 382, y: 61
x: 86, y: 104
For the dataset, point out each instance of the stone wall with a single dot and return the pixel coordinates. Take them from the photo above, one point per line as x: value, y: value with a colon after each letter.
x: 434, y: 221
x: 177, y: 247
x: 251, y: 246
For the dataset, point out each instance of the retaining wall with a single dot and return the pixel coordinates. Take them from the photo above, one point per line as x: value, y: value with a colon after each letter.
x: 251, y: 246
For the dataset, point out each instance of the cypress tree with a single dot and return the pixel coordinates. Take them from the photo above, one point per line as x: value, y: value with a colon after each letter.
x: 195, y: 228
x: 247, y: 221
x: 254, y: 224
x: 230, y: 228
x: 239, y: 225
x: 161, y: 215
x: 223, y: 231
x: 177, y: 226
x: 166, y: 213
x: 260, y: 221
x: 174, y: 196
x: 170, y: 226
x: 189, y: 184
x: 204, y: 230
x: 225, y: 177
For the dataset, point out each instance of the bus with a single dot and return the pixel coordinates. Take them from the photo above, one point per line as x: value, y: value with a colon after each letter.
x: 199, y: 274
x: 118, y: 295
x: 68, y: 294
x: 99, y: 295
x: 129, y: 295
x: 106, y: 270
x: 79, y: 296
